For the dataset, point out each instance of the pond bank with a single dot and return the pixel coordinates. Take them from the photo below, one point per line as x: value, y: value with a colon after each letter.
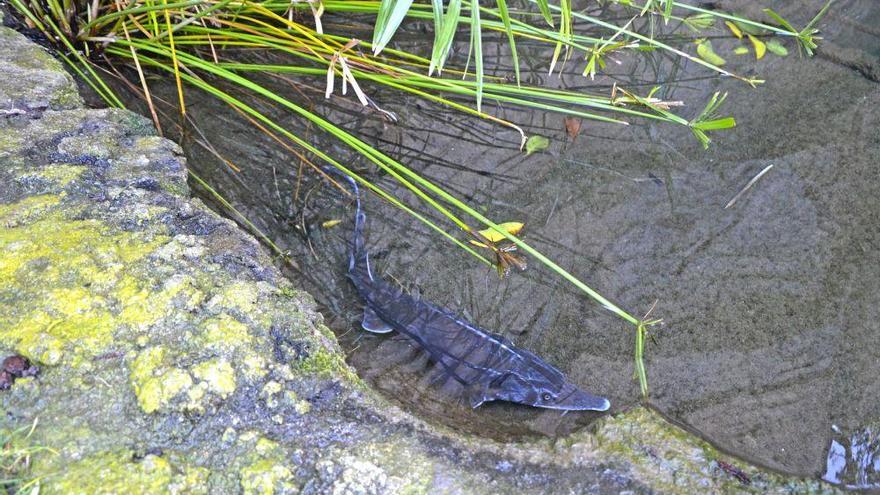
x: 175, y: 358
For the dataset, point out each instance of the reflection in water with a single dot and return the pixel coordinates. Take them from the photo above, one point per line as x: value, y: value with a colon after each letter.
x: 855, y: 461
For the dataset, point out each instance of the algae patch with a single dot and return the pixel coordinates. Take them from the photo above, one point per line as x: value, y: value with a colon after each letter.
x: 117, y: 472
x: 265, y: 471
x: 218, y: 375
x: 267, y: 477
x: 57, y: 276
x: 154, y: 383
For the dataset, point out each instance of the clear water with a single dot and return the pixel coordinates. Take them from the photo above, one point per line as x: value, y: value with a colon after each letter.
x: 770, y: 307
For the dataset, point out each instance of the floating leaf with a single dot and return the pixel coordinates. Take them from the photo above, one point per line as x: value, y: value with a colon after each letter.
x: 776, y: 48
x: 493, y: 236
x: 329, y: 224
x: 705, y: 51
x: 741, y: 50
x: 536, y: 143
x: 734, y: 29
x: 760, y: 47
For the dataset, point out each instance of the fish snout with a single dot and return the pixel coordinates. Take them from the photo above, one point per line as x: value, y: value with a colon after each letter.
x: 571, y: 398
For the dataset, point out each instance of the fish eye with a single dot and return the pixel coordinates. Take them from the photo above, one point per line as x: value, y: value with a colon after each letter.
x: 546, y: 397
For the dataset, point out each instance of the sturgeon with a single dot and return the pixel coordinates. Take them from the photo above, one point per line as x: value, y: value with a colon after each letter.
x: 487, y: 365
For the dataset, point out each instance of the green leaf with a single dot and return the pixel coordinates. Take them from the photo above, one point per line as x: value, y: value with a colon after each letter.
x: 391, y: 14
x: 782, y: 22
x: 505, y: 19
x: 699, y: 22
x: 706, y: 121
x: 437, y: 10
x: 705, y: 51
x: 776, y: 48
x: 477, y: 45
x: 545, y: 11
x: 741, y: 50
x: 536, y: 143
x: 717, y: 124
x: 748, y: 28
x: 443, y: 38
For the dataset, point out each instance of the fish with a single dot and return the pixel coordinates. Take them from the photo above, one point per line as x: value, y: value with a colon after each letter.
x: 488, y: 365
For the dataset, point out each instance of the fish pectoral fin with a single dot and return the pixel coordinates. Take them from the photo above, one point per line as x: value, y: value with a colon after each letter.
x: 372, y: 322
x: 477, y: 400
x: 479, y: 397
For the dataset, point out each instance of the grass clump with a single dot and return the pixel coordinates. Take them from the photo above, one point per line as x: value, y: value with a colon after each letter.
x: 16, y: 455
x: 203, y: 44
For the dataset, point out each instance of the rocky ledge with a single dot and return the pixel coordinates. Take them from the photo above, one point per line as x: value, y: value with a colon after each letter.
x: 173, y: 357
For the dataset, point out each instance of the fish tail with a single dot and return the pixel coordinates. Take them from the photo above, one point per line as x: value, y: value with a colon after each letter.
x: 358, y: 251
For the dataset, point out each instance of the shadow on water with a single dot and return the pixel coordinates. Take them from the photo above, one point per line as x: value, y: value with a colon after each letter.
x: 769, y: 347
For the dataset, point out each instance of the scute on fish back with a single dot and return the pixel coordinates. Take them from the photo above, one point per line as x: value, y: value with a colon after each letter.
x: 488, y: 365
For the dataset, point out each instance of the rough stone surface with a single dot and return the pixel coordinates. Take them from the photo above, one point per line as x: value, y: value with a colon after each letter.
x: 36, y: 80
x: 175, y: 359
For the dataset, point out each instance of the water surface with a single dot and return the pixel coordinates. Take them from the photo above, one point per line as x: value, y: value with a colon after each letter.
x: 770, y: 306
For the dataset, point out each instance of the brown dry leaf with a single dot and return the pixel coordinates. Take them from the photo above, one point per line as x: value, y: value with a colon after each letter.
x: 572, y: 126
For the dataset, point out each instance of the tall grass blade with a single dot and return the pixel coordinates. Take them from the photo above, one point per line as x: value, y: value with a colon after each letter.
x: 477, y: 44
x: 443, y: 40
x: 505, y: 19
x: 391, y: 14
x: 174, y: 59
x: 544, y: 7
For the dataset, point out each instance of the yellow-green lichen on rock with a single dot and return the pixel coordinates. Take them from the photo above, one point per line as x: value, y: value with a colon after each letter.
x: 379, y: 467
x: 267, y: 477
x: 264, y: 468
x: 117, y: 472
x: 218, y: 375
x: 156, y: 383
x: 62, y: 273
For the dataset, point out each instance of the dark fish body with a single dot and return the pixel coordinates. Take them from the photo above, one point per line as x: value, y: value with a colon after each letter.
x: 488, y: 365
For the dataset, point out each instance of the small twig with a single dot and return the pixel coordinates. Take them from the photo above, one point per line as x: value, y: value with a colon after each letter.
x: 748, y: 186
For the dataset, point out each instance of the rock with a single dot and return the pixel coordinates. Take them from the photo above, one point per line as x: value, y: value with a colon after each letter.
x: 19, y: 367
x: 33, y: 80
x: 175, y: 359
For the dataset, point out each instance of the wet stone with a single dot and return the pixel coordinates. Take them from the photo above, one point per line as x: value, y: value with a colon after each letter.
x: 19, y: 366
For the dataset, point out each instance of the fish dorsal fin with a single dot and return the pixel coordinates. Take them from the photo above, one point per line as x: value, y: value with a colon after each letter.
x: 372, y: 322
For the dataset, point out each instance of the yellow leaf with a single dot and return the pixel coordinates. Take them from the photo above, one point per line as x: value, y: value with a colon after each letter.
x: 329, y: 224
x: 760, y: 47
x: 493, y: 236
x: 733, y: 29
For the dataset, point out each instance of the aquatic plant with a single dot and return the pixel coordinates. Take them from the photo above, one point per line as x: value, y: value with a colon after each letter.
x: 199, y: 42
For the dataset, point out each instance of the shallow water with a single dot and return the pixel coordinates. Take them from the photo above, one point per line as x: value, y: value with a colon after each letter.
x: 770, y: 307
